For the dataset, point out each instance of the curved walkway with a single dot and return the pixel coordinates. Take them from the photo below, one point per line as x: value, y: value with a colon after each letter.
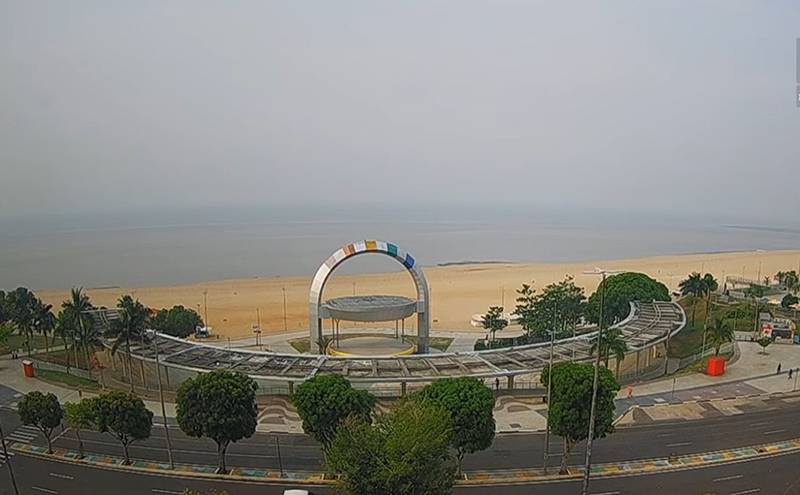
x: 648, y: 324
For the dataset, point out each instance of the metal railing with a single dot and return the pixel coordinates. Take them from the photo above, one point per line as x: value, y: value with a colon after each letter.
x: 47, y: 366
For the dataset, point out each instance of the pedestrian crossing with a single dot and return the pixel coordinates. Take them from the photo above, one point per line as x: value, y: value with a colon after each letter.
x: 23, y: 434
x: 3, y: 458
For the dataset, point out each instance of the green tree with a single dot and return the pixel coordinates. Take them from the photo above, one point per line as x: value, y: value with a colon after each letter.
x: 791, y: 281
x: 720, y: 333
x: 177, y: 321
x: 44, y: 321
x: 612, y: 342
x: 22, y: 306
x: 789, y: 300
x: 493, y: 320
x: 559, y: 306
x: 325, y: 401
x: 764, y: 342
x: 123, y: 416
x: 470, y: 405
x: 73, y: 318
x: 621, y: 290
x: 571, y: 402
x: 220, y: 405
x: 42, y: 411
x: 79, y: 416
x: 693, y: 285
x: 406, y: 452
x: 132, y: 323
x: 3, y: 309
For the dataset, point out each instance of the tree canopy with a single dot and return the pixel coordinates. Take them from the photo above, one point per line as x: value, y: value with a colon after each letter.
x: 406, y: 452
x: 493, y: 320
x: 470, y: 405
x: 325, y: 401
x: 177, y: 321
x: 79, y: 416
x: 42, y: 411
x: 789, y: 300
x: 560, y: 306
x: 220, y: 405
x: 571, y: 401
x: 123, y: 416
x: 620, y: 291
x: 719, y: 333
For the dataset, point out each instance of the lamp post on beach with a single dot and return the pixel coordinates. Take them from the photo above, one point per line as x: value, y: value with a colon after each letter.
x: 546, y: 453
x: 593, y: 410
x: 285, y: 326
x: 163, y: 406
x: 205, y: 306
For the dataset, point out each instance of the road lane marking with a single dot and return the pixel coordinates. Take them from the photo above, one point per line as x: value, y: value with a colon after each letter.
x: 773, y: 431
x: 681, y: 444
x: 664, y: 435
x: 752, y: 490
x: 168, y: 492
x: 606, y: 493
x: 62, y: 476
x: 728, y: 478
x: 44, y: 490
x: 763, y: 423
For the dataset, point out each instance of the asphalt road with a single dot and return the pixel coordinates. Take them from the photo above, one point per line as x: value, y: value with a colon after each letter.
x: 508, y: 451
x: 774, y: 475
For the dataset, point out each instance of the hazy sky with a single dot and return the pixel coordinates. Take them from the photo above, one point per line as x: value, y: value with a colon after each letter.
x: 681, y: 106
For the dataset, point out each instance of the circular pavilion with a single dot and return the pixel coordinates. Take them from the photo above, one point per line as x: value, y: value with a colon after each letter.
x: 372, y: 308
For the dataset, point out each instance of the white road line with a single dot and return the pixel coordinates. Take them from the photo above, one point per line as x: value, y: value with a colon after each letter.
x: 752, y: 490
x: 606, y: 493
x: 728, y: 478
x: 763, y: 423
x: 62, y: 476
x: 29, y: 427
x: 46, y: 490
x: 681, y: 444
x: 773, y: 431
x: 664, y: 435
x: 22, y: 434
x: 168, y: 492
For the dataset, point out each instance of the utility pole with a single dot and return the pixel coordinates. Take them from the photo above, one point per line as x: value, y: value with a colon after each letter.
x: 258, y: 327
x: 546, y: 453
x: 163, y: 407
x: 8, y: 460
x: 593, y: 410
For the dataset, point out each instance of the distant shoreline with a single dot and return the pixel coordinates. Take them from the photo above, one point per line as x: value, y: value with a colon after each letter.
x: 477, y: 262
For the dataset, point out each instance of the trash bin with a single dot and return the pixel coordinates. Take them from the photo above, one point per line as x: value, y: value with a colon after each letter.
x: 28, y: 367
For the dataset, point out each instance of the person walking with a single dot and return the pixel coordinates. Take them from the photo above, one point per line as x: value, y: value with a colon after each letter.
x: 779, y: 369
x: 630, y: 391
x: 791, y: 372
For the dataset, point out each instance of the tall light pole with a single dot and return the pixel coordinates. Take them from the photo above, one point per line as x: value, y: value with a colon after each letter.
x: 163, y: 407
x: 258, y: 326
x: 285, y: 326
x: 205, y: 306
x: 546, y: 453
x: 8, y: 460
x: 593, y: 410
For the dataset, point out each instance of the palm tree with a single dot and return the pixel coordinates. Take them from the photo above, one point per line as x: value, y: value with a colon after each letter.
x: 89, y: 337
x: 21, y: 305
x: 693, y: 285
x: 75, y: 310
x: 720, y: 333
x: 791, y: 281
x: 132, y: 323
x: 44, y: 321
x: 64, y: 329
x: 611, y: 343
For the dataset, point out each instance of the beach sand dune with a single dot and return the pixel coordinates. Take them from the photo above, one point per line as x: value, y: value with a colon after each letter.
x: 457, y: 292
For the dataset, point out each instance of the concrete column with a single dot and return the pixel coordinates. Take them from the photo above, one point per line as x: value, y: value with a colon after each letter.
x: 291, y: 388
x: 511, y: 382
x: 403, y: 389
x: 638, y: 353
x: 166, y: 373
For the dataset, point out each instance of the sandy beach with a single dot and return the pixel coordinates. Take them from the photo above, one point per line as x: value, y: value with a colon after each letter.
x: 457, y: 292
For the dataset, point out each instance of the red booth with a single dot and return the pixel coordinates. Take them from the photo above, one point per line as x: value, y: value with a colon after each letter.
x: 27, y: 366
x: 716, y: 366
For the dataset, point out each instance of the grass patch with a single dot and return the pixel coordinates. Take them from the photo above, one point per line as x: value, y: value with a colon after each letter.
x: 60, y: 357
x: 302, y: 345
x: 67, y: 380
x: 690, y: 340
x: 16, y: 342
x: 700, y: 366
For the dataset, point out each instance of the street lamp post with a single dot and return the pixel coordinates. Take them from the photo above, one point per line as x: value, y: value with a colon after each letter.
x: 593, y: 410
x: 163, y: 406
x: 546, y: 453
x: 285, y: 327
x: 205, y: 306
x: 8, y: 460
